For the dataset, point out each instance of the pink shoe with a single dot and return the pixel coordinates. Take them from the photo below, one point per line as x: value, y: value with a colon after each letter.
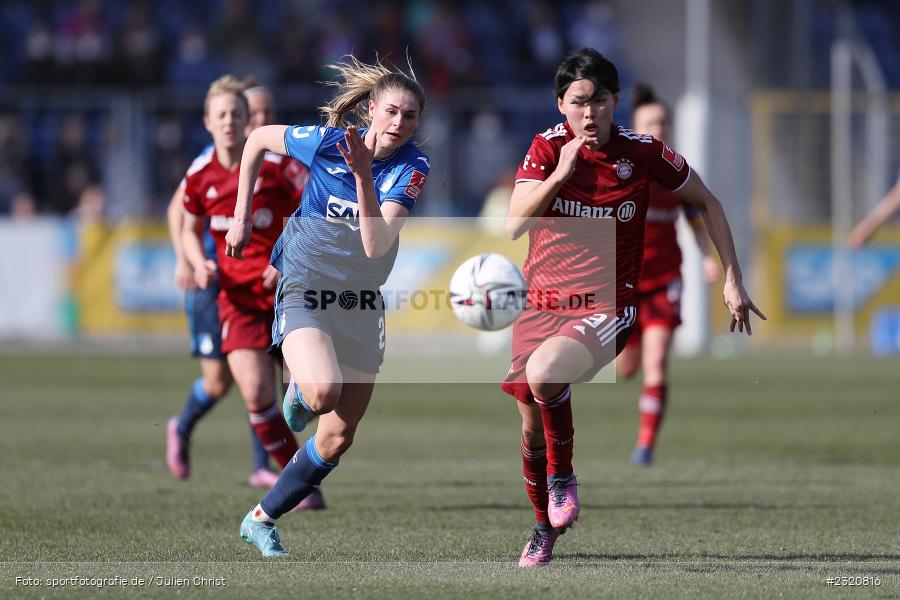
x: 564, y: 507
x: 315, y: 501
x: 262, y: 479
x: 177, y: 457
x: 539, y: 550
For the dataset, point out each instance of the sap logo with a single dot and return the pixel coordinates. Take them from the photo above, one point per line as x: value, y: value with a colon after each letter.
x: 345, y: 212
x: 336, y: 171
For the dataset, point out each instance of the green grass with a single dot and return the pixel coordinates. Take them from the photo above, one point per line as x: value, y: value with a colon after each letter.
x: 772, y: 474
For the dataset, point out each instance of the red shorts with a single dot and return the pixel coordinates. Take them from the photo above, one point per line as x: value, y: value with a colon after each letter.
x: 242, y: 328
x: 603, y: 334
x: 658, y: 308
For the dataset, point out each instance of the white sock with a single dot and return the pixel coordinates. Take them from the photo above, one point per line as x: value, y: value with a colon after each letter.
x: 258, y: 514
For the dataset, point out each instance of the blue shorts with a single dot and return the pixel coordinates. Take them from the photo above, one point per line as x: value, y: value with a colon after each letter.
x: 353, y: 318
x: 203, y: 321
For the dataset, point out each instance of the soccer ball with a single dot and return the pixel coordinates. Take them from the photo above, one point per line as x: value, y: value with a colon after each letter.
x: 488, y: 292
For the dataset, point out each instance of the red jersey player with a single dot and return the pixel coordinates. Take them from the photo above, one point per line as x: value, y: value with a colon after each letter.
x: 582, y: 195
x: 246, y: 299
x: 659, y: 287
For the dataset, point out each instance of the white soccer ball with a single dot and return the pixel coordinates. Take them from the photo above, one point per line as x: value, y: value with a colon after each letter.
x: 488, y: 292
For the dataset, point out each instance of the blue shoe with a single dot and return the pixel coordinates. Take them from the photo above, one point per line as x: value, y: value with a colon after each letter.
x: 263, y: 535
x: 642, y: 456
x: 296, y: 412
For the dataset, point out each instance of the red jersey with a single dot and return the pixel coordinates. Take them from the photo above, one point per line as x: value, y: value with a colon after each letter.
x: 587, y: 247
x: 662, y: 256
x: 211, y: 192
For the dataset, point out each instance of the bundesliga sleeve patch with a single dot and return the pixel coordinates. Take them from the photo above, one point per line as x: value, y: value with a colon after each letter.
x: 414, y: 187
x: 672, y: 157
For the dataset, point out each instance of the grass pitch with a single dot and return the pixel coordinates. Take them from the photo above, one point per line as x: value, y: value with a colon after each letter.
x: 772, y: 475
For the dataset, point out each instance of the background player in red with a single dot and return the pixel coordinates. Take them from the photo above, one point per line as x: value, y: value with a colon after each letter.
x: 246, y: 299
x: 582, y: 194
x: 659, y: 287
x: 205, y: 328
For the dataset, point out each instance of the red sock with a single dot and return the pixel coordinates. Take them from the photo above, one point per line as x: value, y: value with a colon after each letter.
x: 274, y: 433
x: 534, y: 467
x: 559, y: 432
x: 652, y: 408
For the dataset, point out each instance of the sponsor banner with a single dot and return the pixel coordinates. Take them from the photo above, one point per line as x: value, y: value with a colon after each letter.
x: 795, y: 282
x: 124, y: 280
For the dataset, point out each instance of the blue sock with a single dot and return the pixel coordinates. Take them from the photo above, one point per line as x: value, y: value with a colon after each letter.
x: 260, y: 456
x: 305, y: 471
x: 197, y: 405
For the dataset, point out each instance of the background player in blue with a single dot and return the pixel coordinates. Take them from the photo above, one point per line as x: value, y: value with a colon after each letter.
x: 362, y: 185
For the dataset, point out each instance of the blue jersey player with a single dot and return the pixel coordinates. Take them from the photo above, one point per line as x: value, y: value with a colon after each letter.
x: 334, y: 254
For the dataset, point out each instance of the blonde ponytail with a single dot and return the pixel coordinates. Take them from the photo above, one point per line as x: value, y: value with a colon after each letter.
x: 359, y: 82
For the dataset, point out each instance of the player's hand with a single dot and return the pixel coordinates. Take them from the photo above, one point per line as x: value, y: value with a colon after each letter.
x: 270, y: 277
x: 207, y: 274
x: 237, y: 237
x: 738, y: 303
x: 568, y: 155
x: 859, y: 236
x: 358, y: 155
x: 711, y: 270
x: 184, y: 275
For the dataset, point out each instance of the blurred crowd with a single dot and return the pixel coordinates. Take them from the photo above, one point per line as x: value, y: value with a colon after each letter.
x: 58, y: 156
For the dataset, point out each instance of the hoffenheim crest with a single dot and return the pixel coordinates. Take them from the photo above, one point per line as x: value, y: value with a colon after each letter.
x: 624, y: 168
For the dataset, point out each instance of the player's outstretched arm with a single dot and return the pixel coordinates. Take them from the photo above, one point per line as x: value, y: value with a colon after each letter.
x: 883, y: 211
x: 736, y: 299
x: 269, y: 138
x: 184, y: 274
x: 529, y: 199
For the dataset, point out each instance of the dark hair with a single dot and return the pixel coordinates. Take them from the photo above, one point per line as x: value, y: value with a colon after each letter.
x: 587, y: 63
x: 643, y: 95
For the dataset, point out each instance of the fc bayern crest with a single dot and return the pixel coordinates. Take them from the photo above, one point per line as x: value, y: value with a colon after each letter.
x: 624, y: 168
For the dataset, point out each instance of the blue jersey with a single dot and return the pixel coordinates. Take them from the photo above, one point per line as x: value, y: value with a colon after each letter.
x: 322, y: 238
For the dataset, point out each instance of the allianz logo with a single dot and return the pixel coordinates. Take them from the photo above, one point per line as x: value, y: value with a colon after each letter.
x: 573, y: 208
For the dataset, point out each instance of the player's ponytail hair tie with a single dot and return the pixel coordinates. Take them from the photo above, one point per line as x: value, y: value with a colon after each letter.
x: 358, y: 82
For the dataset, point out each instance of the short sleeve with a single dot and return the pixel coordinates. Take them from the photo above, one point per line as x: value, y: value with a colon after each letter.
x: 407, y: 187
x: 667, y: 167
x: 192, y: 199
x: 539, y: 162
x: 302, y: 142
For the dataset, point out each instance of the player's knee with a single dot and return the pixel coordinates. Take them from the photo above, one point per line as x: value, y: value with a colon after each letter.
x: 322, y: 397
x: 533, y: 434
x: 540, y: 377
x: 216, y: 387
x: 258, y: 398
x: 334, y: 445
x: 626, y: 369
